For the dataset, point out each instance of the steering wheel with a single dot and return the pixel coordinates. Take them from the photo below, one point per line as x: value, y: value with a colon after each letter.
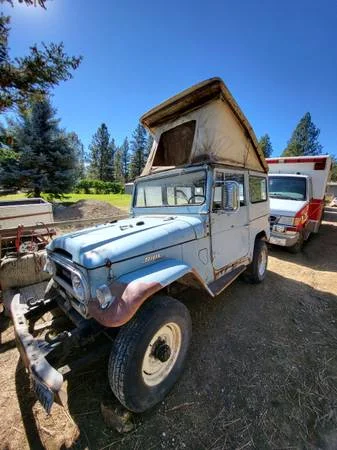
x: 182, y: 192
x: 196, y: 195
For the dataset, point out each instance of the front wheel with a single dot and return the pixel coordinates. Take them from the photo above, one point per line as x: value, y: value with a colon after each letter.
x: 298, y: 246
x: 149, y: 352
x: 256, y: 271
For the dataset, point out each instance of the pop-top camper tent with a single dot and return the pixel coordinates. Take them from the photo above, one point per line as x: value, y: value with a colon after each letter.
x: 201, y: 124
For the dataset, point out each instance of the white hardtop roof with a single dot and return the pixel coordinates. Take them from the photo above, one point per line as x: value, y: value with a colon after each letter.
x: 294, y: 159
x: 299, y: 175
x: 222, y: 134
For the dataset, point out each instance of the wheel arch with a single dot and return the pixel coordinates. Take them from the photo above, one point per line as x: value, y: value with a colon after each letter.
x: 261, y: 235
x: 133, y: 289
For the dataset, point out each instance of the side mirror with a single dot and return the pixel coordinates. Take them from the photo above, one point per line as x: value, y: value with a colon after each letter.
x: 226, y: 196
x: 231, y: 201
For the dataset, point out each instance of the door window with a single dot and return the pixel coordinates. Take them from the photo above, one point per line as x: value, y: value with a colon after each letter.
x: 219, y: 192
x: 257, y: 189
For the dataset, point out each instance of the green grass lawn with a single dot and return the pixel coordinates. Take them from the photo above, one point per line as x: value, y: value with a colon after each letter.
x: 121, y: 201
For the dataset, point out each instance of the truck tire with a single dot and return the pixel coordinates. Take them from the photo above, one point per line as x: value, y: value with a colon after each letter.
x: 298, y: 246
x: 257, y: 269
x: 148, y: 353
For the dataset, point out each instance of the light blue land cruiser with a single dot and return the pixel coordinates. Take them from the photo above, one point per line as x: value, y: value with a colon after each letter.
x: 199, y: 217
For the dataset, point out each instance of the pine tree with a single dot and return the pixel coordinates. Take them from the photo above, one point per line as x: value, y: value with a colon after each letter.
x: 138, y: 151
x: 265, y: 145
x: 102, y: 155
x: 30, y: 78
x: 333, y: 168
x: 47, y: 162
x: 304, y: 140
x: 125, y: 159
x: 78, y: 148
x: 118, y: 166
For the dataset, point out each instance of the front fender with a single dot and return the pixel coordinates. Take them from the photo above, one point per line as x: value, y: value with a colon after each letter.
x: 132, y: 289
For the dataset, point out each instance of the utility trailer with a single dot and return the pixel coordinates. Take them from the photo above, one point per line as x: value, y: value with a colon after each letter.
x: 22, y: 225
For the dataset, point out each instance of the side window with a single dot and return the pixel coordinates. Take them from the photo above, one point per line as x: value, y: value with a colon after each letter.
x: 218, y: 191
x: 239, y: 178
x: 257, y: 189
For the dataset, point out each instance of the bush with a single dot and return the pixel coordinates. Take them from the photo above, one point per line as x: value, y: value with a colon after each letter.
x: 88, y: 186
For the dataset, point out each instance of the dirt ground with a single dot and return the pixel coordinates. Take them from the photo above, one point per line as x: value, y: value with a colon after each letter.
x: 85, y: 209
x: 261, y: 372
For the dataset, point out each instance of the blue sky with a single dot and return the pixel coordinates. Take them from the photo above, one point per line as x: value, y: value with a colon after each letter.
x: 279, y: 59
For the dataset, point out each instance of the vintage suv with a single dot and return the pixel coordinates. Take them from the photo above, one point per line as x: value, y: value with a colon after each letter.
x: 199, y: 217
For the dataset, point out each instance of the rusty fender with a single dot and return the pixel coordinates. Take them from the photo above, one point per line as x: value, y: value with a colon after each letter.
x: 129, y: 297
x: 133, y: 289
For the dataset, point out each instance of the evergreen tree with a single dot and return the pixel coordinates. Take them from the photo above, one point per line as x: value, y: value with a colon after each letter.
x: 28, y: 78
x: 138, y: 151
x: 118, y: 166
x: 102, y: 152
x: 304, y: 140
x: 333, y: 168
x: 125, y: 156
x: 78, y: 148
x: 265, y: 145
x: 47, y: 162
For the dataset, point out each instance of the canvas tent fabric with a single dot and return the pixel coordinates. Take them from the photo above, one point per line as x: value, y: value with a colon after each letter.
x: 201, y: 124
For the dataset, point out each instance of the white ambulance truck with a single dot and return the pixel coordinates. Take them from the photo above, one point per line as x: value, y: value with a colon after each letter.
x: 296, y: 190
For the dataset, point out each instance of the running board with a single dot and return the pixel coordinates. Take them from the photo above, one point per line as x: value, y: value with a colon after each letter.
x: 217, y: 286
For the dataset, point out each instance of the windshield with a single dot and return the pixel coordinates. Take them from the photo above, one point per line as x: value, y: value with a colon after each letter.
x: 289, y: 188
x: 174, y: 190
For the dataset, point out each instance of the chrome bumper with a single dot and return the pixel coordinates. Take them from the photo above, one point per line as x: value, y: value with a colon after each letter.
x: 47, y: 381
x: 286, y: 239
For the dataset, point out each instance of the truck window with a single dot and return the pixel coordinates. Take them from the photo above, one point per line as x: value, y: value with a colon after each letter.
x: 288, y: 188
x: 218, y: 192
x: 175, y: 190
x: 257, y: 189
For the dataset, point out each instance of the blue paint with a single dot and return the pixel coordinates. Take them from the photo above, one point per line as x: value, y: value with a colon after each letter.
x: 124, y: 239
x: 164, y: 272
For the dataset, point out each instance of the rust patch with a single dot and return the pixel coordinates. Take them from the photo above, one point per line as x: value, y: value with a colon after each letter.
x: 129, y: 298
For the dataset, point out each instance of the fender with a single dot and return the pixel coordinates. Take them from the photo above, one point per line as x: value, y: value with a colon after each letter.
x: 132, y: 289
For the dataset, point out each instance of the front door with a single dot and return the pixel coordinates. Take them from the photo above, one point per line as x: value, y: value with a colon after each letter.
x: 230, y: 237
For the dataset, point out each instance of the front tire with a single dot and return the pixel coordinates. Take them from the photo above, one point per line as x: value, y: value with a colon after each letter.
x: 256, y: 271
x: 297, y: 248
x: 148, y: 354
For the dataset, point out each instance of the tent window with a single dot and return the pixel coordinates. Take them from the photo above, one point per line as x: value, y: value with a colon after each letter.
x: 175, y: 145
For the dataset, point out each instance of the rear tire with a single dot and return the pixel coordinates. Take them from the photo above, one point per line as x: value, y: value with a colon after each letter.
x: 148, y: 354
x: 256, y: 271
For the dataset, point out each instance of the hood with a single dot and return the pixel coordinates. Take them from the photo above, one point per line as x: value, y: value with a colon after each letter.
x: 280, y: 207
x: 127, y: 238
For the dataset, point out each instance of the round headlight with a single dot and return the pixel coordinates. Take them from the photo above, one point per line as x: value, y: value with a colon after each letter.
x: 104, y: 296
x: 50, y: 267
x: 78, y: 286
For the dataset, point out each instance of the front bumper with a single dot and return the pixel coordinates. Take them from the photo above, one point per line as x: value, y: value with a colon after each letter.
x: 46, y: 380
x: 286, y: 239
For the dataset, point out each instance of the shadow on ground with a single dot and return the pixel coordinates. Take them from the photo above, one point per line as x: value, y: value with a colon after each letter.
x: 319, y: 252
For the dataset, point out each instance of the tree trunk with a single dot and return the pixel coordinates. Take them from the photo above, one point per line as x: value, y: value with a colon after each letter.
x: 37, y: 192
